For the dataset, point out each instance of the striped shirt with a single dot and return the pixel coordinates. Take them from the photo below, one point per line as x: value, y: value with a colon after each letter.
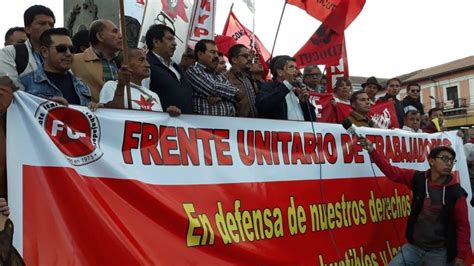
x: 207, y: 84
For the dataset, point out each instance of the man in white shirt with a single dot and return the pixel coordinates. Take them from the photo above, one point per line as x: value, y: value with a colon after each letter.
x: 114, y: 95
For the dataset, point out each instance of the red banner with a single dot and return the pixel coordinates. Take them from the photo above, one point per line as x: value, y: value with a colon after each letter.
x: 242, y: 35
x: 323, y: 48
x: 337, y: 14
x: 382, y: 114
x: 125, y: 222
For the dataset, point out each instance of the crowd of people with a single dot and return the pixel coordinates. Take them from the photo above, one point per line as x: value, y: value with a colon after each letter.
x: 88, y: 69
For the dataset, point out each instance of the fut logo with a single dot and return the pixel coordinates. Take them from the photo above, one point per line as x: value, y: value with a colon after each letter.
x: 75, y: 133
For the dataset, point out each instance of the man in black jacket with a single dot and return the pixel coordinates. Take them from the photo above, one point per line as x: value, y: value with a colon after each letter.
x: 413, y: 98
x: 280, y: 98
x: 167, y: 79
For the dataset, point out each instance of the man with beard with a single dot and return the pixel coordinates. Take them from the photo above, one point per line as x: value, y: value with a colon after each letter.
x: 239, y: 58
x: 213, y: 94
x: 393, y: 88
x: 55, y: 81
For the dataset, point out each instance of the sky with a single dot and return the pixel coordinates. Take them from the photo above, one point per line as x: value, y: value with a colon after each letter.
x: 388, y: 38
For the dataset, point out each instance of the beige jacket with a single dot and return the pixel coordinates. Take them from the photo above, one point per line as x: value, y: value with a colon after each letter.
x: 88, y: 67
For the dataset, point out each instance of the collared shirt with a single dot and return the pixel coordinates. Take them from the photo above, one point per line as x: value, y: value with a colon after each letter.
x: 246, y: 97
x: 207, y: 84
x: 169, y: 66
x: 294, y: 111
x: 109, y: 67
x: 411, y: 129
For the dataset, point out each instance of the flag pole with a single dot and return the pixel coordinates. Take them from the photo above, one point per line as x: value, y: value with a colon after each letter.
x: 278, y: 29
x: 124, y: 49
x: 253, y: 27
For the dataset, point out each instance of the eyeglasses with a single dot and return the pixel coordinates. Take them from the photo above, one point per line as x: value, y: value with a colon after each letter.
x: 63, y: 48
x: 447, y: 159
x: 415, y: 90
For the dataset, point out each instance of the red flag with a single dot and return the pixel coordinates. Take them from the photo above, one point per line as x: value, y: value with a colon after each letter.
x: 242, y: 35
x: 343, y: 110
x: 323, y: 48
x: 339, y: 70
x: 384, y: 115
x: 224, y: 43
x: 337, y: 14
x: 325, y: 111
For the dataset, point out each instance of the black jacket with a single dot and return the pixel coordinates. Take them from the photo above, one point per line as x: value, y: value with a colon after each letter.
x: 271, y: 102
x: 407, y: 101
x: 170, y: 90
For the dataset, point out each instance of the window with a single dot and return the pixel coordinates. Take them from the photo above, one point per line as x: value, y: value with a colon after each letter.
x: 452, y: 95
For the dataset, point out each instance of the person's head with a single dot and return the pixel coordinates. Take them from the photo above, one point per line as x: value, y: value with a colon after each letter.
x: 161, y: 40
x: 324, y: 82
x: 81, y: 40
x: 371, y: 87
x: 57, y: 50
x: 240, y: 58
x: 413, y: 91
x: 311, y: 76
x: 15, y: 35
x: 360, y: 102
x: 412, y: 119
x: 138, y: 64
x: 436, y: 113
x: 187, y: 59
x: 343, y: 88
x: 283, y: 67
x: 206, y: 53
x: 442, y: 160
x: 393, y: 86
x: 222, y: 66
x: 36, y: 20
x: 105, y: 36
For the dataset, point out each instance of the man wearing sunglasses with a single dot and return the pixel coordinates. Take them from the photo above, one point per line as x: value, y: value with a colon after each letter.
x: 238, y: 75
x: 438, y: 230
x: 413, y: 98
x: 55, y: 81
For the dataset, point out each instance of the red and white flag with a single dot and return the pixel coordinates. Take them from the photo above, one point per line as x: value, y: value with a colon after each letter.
x: 233, y: 28
x: 323, y: 48
x: 333, y: 72
x: 202, y: 21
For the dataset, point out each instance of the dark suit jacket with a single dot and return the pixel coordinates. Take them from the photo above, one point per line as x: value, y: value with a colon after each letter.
x: 271, y: 102
x: 170, y: 90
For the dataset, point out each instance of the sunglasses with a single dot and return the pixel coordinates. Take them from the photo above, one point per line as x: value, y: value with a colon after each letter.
x: 63, y: 48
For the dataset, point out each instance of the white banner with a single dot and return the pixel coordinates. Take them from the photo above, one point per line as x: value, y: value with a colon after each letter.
x: 83, y: 182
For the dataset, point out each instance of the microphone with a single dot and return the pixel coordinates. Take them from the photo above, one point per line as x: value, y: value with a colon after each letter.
x: 347, y: 124
x: 299, y: 82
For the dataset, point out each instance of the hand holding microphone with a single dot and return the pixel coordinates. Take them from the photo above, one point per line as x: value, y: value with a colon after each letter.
x: 364, y: 142
x: 300, y: 89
